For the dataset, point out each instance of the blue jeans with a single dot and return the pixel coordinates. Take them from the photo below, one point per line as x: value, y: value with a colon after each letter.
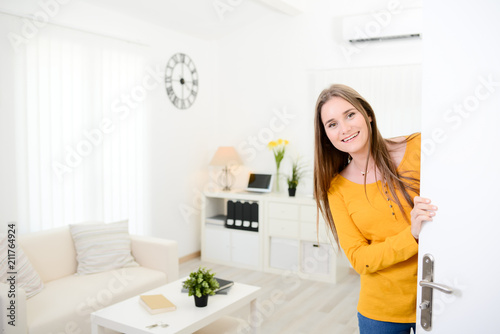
x: 370, y: 326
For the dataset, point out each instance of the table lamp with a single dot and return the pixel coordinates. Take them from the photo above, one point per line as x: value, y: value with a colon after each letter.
x: 226, y: 156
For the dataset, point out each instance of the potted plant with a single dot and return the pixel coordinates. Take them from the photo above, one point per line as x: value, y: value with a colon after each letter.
x: 201, y: 284
x: 298, y: 171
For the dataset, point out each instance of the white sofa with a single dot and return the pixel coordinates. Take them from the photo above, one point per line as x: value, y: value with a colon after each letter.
x: 66, y: 301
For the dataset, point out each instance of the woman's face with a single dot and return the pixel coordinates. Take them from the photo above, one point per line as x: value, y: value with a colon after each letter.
x: 345, y: 126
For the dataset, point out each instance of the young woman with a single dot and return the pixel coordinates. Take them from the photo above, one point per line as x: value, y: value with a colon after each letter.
x: 367, y: 189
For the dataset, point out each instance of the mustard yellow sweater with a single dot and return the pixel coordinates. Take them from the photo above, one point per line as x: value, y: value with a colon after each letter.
x: 378, y: 243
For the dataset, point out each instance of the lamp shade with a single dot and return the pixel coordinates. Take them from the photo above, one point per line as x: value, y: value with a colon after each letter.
x: 225, y: 156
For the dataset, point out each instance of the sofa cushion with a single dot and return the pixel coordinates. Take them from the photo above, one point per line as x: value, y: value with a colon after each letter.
x: 26, y: 276
x: 64, y: 305
x: 51, y: 252
x: 102, y: 247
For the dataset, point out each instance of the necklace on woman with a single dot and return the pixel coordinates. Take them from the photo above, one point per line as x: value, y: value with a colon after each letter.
x: 361, y: 171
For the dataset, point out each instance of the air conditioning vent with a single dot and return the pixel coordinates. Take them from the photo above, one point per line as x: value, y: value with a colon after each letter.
x: 374, y: 39
x: 383, y: 26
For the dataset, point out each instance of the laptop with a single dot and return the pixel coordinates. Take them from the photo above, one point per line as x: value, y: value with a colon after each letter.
x: 260, y: 183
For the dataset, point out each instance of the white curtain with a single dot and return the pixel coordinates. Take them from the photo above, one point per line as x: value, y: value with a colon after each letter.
x: 82, y: 128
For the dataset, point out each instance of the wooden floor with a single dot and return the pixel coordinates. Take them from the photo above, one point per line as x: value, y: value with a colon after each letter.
x: 289, y: 304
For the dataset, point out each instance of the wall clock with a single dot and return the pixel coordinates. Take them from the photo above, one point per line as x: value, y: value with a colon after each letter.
x: 181, y: 81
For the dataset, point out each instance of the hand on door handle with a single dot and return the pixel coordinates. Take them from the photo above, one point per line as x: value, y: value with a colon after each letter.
x: 437, y: 286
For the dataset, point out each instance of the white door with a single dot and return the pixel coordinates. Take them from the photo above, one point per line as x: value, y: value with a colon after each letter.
x: 461, y: 163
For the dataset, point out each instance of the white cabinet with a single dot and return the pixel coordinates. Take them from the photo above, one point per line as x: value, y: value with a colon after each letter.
x: 283, y: 228
x: 287, y: 239
x: 295, y: 244
x: 316, y: 259
x: 282, y: 253
x: 235, y: 247
x: 231, y: 246
x: 285, y: 211
x: 245, y: 248
x: 220, y: 243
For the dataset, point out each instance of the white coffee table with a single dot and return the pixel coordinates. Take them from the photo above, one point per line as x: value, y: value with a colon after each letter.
x: 130, y: 317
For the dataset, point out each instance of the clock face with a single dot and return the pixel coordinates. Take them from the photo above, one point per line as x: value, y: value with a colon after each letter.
x: 181, y: 81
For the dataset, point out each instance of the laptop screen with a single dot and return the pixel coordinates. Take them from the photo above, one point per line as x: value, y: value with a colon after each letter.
x: 260, y: 182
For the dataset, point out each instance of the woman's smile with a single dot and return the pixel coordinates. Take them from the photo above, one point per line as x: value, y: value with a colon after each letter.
x: 350, y: 138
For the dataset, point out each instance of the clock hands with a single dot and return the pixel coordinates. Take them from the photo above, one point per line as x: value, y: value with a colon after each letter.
x: 181, y: 83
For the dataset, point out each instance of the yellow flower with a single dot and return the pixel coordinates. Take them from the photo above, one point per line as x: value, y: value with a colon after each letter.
x: 278, y: 147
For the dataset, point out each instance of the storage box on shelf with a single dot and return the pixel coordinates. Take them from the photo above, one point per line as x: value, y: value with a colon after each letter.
x: 286, y: 240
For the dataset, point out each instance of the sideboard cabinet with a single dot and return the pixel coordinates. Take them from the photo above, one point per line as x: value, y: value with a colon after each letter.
x: 279, y: 237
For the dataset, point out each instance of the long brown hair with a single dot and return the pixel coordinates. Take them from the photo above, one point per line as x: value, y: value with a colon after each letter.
x: 329, y: 161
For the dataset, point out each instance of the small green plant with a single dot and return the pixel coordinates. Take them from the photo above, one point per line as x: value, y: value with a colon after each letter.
x: 201, y: 283
x: 298, y: 171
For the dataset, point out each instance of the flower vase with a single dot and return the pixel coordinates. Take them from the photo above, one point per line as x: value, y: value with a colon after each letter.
x: 277, y: 180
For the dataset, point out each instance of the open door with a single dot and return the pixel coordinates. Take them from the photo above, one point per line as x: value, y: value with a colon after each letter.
x: 460, y: 168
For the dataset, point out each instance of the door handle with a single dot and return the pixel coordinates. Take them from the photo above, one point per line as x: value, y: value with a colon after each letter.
x: 428, y: 286
x: 437, y: 286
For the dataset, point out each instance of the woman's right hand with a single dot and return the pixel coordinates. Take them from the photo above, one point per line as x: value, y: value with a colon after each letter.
x: 422, y: 211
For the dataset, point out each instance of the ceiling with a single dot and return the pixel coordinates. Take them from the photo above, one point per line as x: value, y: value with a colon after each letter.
x: 211, y: 19
x: 207, y: 19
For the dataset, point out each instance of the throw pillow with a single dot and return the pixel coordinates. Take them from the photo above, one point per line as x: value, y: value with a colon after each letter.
x: 27, y: 278
x: 102, y: 247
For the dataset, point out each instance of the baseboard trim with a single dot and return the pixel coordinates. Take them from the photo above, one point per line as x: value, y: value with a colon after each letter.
x: 189, y: 257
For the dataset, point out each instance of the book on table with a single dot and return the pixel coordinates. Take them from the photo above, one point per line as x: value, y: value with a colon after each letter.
x: 156, y: 304
x: 223, y: 284
x: 223, y: 289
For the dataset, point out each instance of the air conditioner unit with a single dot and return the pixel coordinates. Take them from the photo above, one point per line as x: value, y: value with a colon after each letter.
x: 383, y: 25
